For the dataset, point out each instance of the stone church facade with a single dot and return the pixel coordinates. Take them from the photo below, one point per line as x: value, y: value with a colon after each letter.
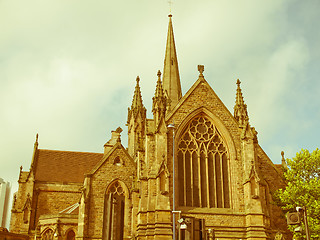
x: 194, y: 169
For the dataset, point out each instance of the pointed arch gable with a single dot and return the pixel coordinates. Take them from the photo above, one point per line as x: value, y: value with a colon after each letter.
x: 107, y: 157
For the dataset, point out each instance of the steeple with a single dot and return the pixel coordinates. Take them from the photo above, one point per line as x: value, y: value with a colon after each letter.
x: 240, y: 109
x: 171, y: 78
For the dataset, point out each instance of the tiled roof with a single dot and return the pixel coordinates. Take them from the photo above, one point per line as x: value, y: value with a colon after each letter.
x: 64, y: 166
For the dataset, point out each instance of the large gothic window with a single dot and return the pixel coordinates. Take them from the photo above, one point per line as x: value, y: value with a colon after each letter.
x: 203, y: 166
x: 114, y: 212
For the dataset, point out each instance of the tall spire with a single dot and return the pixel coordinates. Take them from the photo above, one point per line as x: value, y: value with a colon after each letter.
x: 171, y: 78
x: 240, y: 109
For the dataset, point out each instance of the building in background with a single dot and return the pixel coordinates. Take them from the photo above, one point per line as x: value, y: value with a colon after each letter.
x: 193, y: 157
x: 4, y: 201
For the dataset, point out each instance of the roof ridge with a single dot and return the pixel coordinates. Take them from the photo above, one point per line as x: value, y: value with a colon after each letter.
x: 70, y: 151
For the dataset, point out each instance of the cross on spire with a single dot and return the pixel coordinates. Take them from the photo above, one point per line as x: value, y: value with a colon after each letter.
x: 170, y: 5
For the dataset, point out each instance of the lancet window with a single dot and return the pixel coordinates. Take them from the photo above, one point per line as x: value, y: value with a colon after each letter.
x: 114, y: 212
x: 203, y: 166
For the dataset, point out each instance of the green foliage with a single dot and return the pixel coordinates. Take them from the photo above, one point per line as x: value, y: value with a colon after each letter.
x: 303, y: 189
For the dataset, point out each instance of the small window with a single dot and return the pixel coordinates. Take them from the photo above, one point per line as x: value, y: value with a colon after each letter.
x: 117, y: 162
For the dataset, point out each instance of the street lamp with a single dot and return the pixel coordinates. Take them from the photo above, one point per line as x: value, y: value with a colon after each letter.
x: 173, y: 183
x: 294, y: 218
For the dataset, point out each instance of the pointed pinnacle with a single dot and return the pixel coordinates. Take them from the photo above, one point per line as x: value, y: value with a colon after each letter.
x: 159, y: 88
x: 36, y: 143
x: 137, y: 99
x: 240, y: 108
x: 239, y: 97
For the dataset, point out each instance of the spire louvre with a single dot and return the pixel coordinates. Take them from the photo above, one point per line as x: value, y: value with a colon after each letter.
x: 171, y: 78
x: 240, y: 108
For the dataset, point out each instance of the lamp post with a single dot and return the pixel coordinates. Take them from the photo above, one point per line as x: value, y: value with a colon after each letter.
x: 305, y: 219
x: 173, y: 184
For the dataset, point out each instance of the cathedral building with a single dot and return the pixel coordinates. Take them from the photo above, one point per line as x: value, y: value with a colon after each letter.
x: 193, y: 171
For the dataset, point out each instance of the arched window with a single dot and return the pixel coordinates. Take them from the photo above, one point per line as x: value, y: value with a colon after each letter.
x: 71, y: 235
x: 203, y: 166
x: 114, y: 212
x: 47, y: 235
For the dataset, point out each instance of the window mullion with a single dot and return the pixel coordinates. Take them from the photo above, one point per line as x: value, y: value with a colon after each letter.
x: 199, y: 175
x: 207, y: 177
x: 222, y: 183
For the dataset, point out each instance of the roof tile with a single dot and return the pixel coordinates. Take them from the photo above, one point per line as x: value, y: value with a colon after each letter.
x: 64, y: 166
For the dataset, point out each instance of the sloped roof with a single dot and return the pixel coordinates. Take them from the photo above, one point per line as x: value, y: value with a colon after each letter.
x: 64, y: 166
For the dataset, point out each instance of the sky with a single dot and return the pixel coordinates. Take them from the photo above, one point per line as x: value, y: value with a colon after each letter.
x: 68, y: 68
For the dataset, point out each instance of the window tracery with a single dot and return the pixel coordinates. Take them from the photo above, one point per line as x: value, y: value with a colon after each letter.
x: 203, y: 166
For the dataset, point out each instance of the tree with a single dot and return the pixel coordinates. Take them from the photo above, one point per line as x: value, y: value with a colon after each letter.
x: 303, y: 189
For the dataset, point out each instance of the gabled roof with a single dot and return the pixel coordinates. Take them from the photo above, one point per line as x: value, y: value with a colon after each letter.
x: 64, y: 166
x: 118, y: 145
x: 201, y: 80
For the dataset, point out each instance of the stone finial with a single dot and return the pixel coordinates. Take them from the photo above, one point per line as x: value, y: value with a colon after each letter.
x: 119, y: 130
x: 283, y: 160
x: 36, y: 142
x: 201, y: 69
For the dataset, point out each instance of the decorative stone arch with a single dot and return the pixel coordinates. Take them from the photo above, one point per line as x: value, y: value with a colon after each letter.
x: 116, y: 210
x: 47, y: 234
x: 194, y: 183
